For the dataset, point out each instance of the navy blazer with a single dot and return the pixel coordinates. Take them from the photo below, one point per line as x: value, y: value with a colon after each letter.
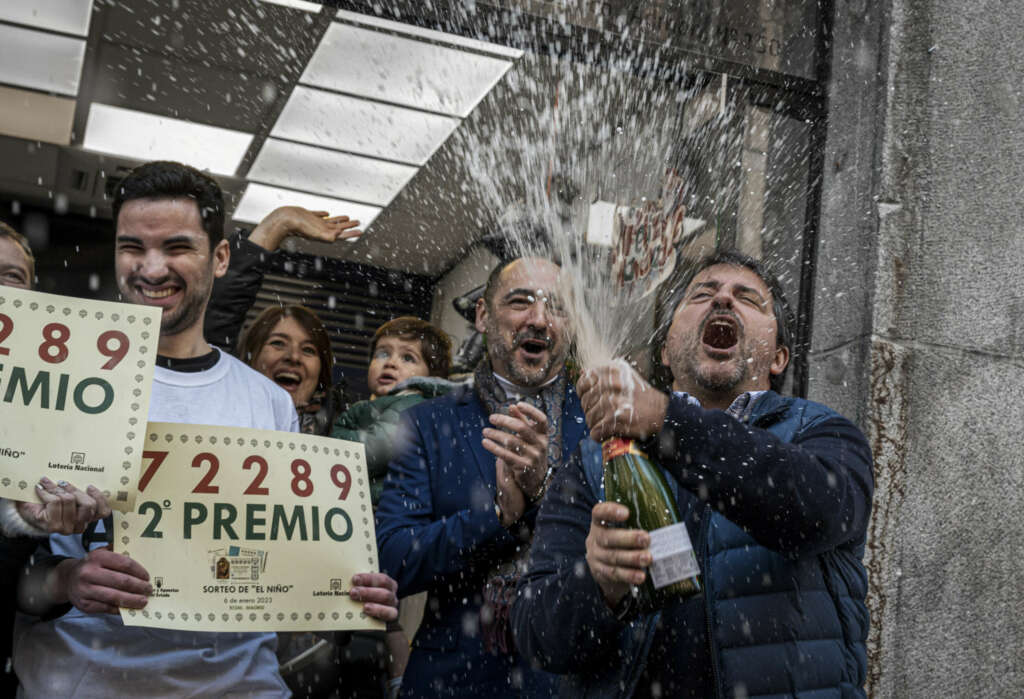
x: 437, y: 531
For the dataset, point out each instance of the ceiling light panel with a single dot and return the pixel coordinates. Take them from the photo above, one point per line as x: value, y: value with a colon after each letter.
x: 353, y: 177
x: 403, y: 71
x: 311, y: 7
x: 143, y: 136
x: 35, y: 116
x: 40, y: 60
x: 360, y: 126
x: 259, y: 200
x: 67, y: 16
x: 429, y: 34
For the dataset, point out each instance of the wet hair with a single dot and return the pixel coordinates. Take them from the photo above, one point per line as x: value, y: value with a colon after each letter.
x: 22, y: 242
x: 256, y: 335
x: 164, y: 179
x: 494, y: 278
x: 785, y: 321
x: 434, y: 343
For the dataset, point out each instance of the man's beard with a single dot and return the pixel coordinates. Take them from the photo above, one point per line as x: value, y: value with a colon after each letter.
x: 716, y: 378
x: 530, y: 376
x: 191, y: 311
x: 187, y: 313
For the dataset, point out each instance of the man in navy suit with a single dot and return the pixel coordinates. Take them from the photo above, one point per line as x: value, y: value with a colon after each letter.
x: 457, y: 513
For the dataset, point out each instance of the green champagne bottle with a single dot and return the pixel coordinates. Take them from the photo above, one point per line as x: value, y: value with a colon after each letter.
x: 633, y: 480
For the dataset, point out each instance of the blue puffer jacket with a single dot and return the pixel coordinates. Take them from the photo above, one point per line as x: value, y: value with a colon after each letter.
x: 777, y: 509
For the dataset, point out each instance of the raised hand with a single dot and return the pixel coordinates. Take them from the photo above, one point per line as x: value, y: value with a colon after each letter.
x: 288, y: 221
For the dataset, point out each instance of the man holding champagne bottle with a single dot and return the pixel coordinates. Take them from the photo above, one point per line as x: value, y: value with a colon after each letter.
x: 775, y: 493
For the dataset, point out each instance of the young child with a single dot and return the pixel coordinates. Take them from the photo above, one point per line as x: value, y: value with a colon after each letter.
x: 409, y: 362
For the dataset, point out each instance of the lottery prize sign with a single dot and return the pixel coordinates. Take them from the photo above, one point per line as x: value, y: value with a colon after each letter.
x: 75, y: 379
x: 249, y: 530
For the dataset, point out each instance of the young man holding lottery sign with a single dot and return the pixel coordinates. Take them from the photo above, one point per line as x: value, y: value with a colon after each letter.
x: 169, y: 248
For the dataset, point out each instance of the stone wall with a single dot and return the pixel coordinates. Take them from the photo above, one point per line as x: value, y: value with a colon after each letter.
x: 919, y: 329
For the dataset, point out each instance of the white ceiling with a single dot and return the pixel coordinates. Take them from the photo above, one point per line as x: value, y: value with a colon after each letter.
x: 146, y: 136
x: 376, y: 129
x: 66, y: 16
x: 286, y: 101
x: 40, y: 60
x: 402, y: 70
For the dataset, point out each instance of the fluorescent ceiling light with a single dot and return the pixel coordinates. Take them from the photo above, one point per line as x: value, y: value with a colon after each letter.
x: 403, y: 71
x: 310, y: 169
x: 429, y: 34
x: 40, y: 60
x: 297, y: 5
x: 68, y: 16
x: 259, y: 200
x: 143, y: 136
x: 360, y: 126
x: 35, y: 116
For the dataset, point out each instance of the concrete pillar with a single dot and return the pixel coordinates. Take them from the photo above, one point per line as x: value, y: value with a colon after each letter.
x: 919, y: 329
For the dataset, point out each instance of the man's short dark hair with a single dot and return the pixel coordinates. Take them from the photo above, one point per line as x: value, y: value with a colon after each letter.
x: 493, y: 280
x: 785, y: 321
x: 164, y: 179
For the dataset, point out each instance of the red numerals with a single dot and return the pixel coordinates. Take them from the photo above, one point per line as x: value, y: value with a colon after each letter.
x: 255, y: 488
x: 114, y: 345
x: 301, y: 485
x: 302, y: 472
x: 206, y: 484
x: 157, y: 459
x: 341, y: 478
x: 54, y: 348
x: 6, y: 328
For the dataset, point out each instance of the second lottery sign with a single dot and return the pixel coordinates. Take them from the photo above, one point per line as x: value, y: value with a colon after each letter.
x: 75, y: 379
x: 250, y: 530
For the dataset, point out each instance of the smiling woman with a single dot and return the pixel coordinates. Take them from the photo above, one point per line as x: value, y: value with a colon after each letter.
x: 289, y: 345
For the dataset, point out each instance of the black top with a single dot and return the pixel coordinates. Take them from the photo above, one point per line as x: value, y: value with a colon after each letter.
x: 235, y: 293
x: 190, y: 364
x: 14, y: 554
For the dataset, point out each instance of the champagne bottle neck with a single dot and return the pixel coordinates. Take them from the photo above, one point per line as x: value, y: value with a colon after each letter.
x: 615, y: 447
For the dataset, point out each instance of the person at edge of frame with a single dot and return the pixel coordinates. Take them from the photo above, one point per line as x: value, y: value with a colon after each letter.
x: 64, y: 509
